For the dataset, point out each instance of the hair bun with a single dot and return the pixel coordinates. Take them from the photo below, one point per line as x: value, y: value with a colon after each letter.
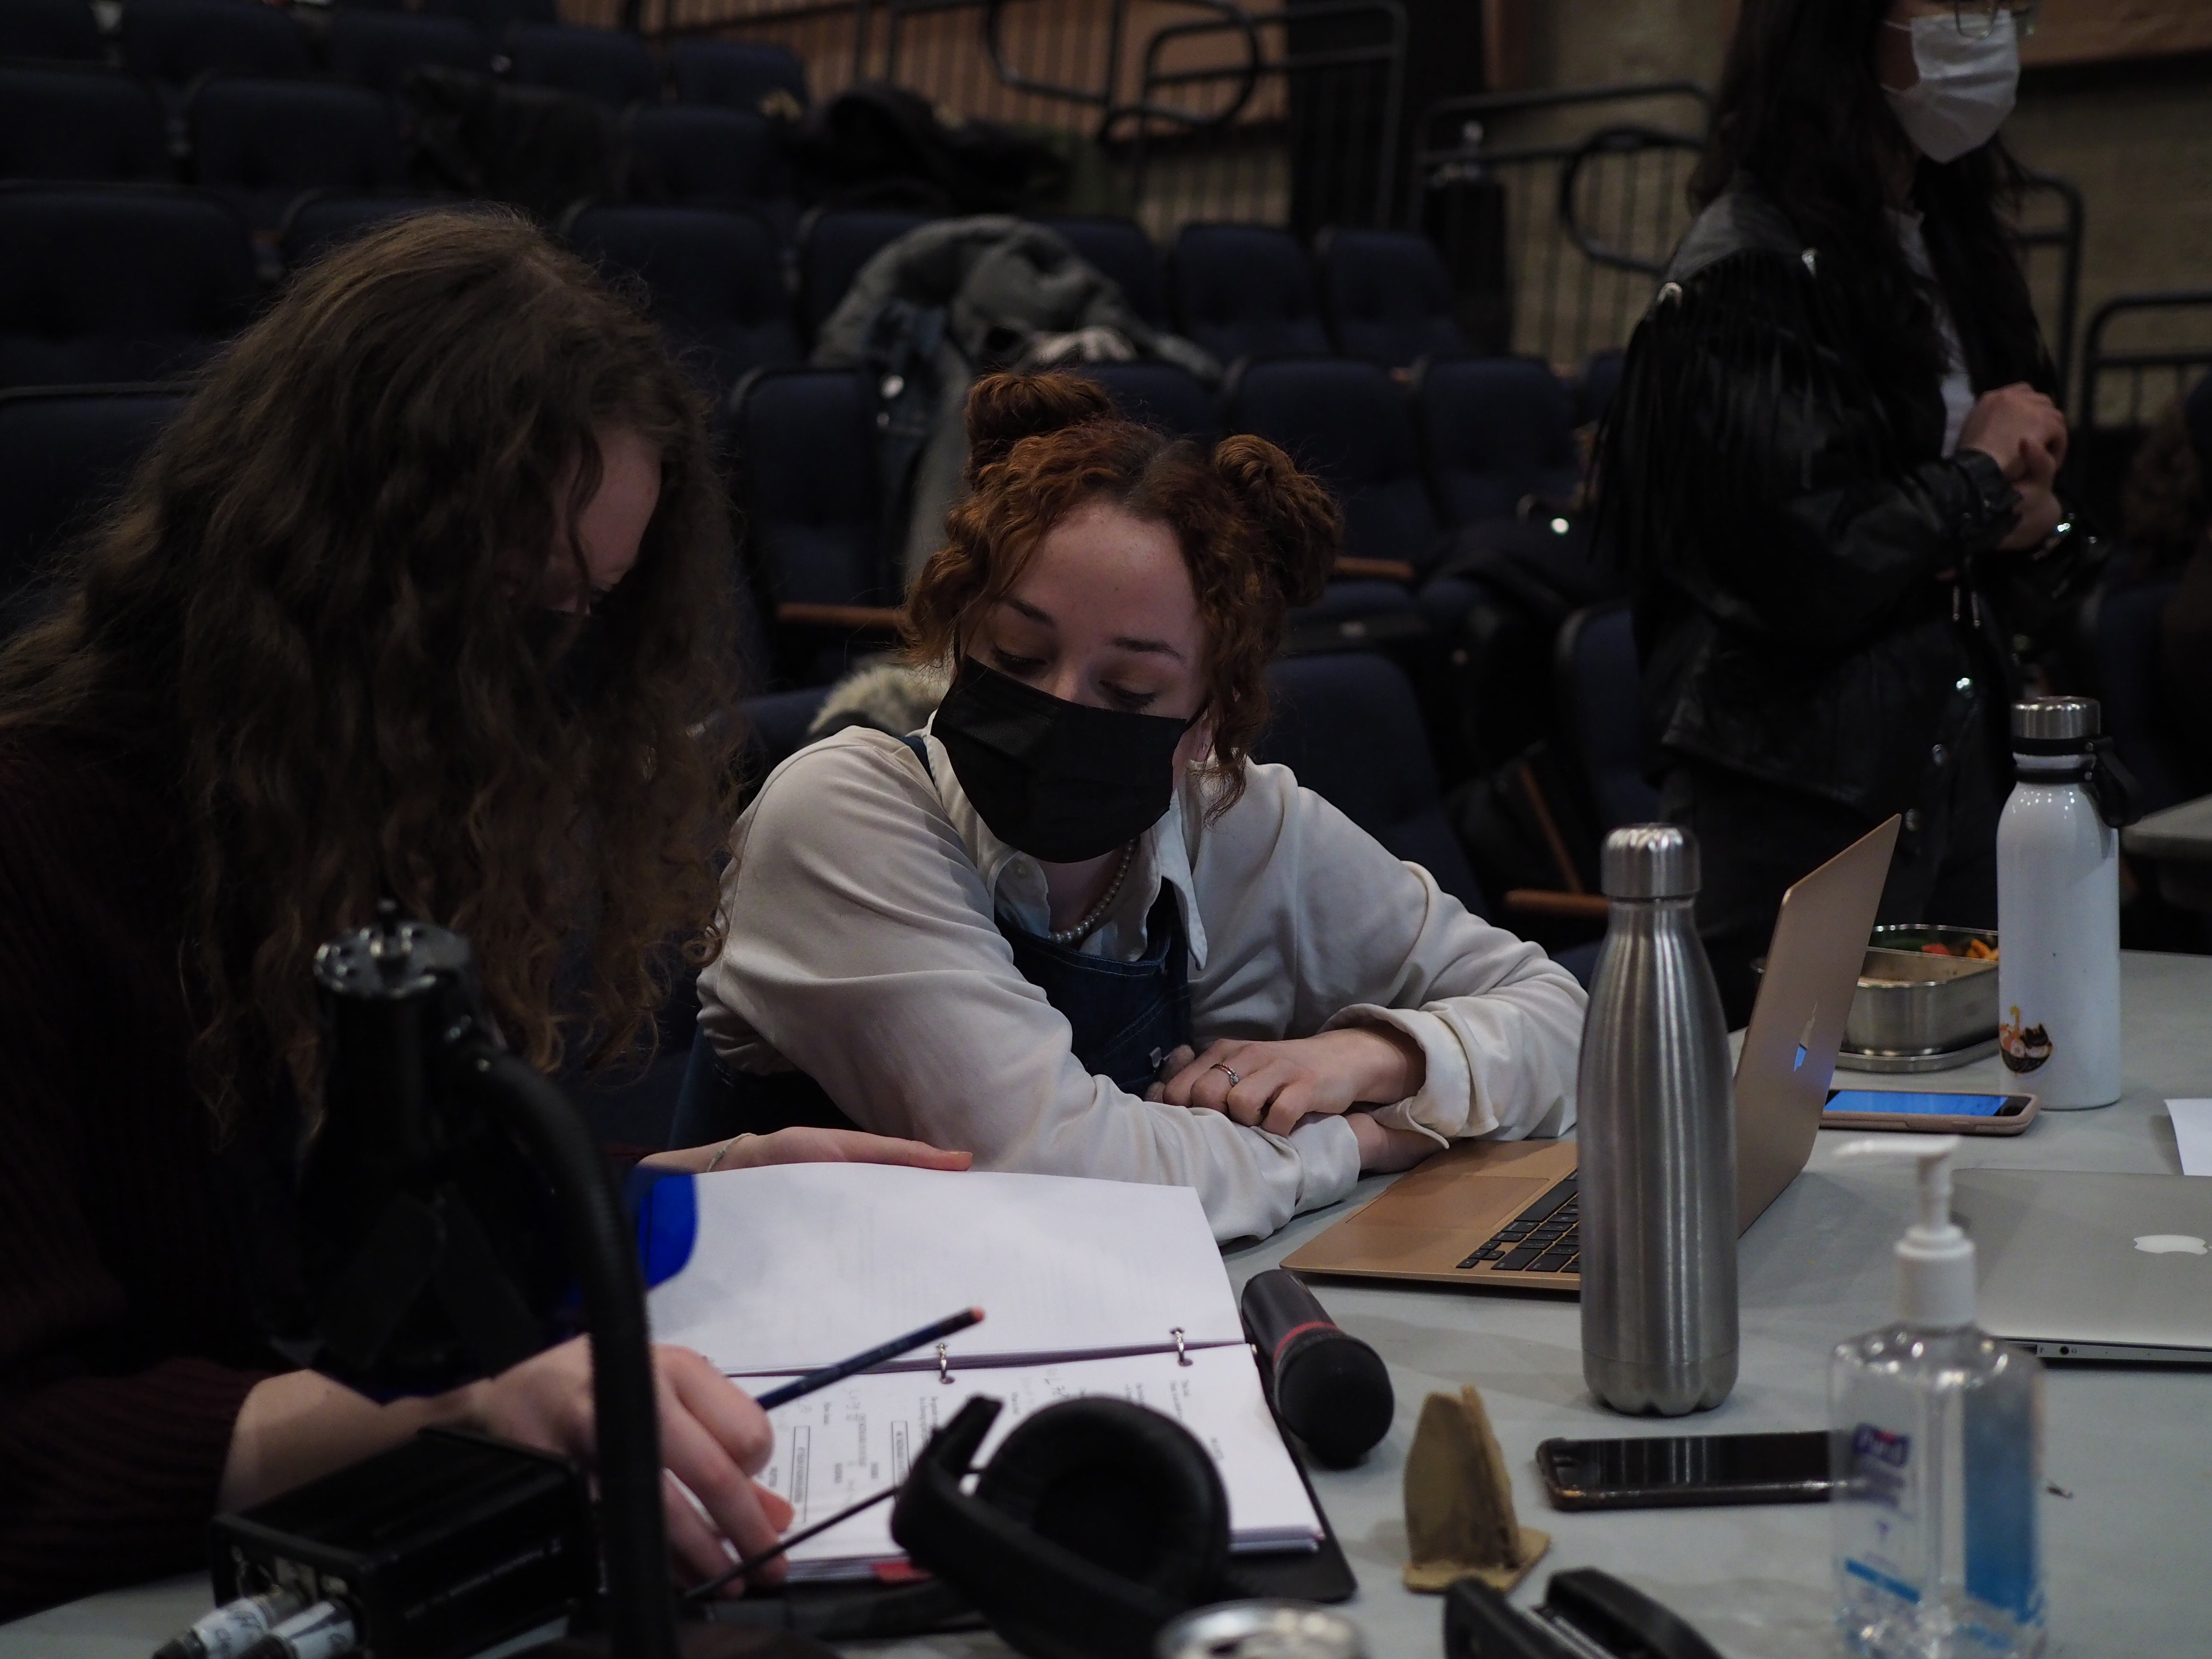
x: 1304, y: 525
x: 1004, y: 409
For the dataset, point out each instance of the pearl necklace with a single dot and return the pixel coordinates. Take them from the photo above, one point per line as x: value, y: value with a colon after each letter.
x: 1096, y: 914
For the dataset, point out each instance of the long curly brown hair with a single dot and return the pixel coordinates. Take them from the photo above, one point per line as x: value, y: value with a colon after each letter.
x: 2165, y: 505
x: 1258, y: 535
x: 312, y: 609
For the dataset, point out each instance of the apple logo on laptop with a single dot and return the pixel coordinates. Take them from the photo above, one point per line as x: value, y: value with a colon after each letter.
x: 2172, y: 1244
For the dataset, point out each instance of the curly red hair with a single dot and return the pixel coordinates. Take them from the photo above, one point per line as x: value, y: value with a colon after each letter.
x: 1257, y: 535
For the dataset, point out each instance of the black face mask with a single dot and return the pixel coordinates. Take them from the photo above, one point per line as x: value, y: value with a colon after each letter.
x: 1061, y: 782
x: 574, y: 677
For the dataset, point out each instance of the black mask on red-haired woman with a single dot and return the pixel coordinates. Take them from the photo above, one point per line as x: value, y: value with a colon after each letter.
x: 1061, y: 781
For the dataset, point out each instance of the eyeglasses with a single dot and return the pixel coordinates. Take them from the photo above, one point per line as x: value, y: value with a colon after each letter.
x: 1977, y: 19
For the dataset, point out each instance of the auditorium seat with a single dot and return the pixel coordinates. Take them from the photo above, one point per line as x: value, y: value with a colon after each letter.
x: 1158, y: 394
x: 611, y: 65
x: 1120, y: 248
x: 2120, y: 625
x: 1345, y: 421
x: 1387, y: 298
x: 259, y: 145
x: 716, y: 287
x: 1599, y: 379
x: 742, y: 75
x: 805, y: 442
x: 700, y: 153
x: 1349, y: 726
x: 56, y: 30
x: 104, y: 284
x: 178, y: 41
x: 494, y: 18
x: 834, y: 243
x: 376, y: 49
x: 318, y: 221
x: 65, y: 455
x: 1496, y: 429
x: 60, y: 122
x: 1246, y: 291
x: 1600, y: 703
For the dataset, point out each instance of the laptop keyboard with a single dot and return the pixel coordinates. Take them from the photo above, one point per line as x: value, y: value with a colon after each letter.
x: 1544, y: 1238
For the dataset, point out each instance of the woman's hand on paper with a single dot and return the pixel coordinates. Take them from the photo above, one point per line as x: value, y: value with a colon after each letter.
x: 1276, y: 1086
x: 805, y: 1146
x: 714, y: 1439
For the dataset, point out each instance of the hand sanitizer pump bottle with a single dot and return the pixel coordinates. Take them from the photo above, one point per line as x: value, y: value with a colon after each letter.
x: 1936, y: 1443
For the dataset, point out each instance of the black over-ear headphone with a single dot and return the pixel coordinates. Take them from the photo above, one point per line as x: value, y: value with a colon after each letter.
x: 1095, y: 1523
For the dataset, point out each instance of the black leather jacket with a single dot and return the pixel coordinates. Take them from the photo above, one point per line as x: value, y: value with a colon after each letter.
x: 1788, y: 532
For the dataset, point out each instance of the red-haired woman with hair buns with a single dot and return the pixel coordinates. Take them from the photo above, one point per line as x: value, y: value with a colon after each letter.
x: 1072, y: 927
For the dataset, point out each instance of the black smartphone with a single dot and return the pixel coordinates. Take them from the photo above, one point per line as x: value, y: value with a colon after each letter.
x: 1930, y: 1111
x: 1681, y: 1470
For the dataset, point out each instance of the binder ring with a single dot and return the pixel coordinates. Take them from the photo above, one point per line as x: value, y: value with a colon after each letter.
x: 1181, y: 1356
x: 944, y: 1366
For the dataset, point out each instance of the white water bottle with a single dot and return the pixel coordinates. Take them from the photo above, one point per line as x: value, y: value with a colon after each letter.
x: 2058, y: 909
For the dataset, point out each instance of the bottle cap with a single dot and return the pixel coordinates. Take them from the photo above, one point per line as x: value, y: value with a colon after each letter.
x: 1934, y: 1259
x: 2054, y: 726
x: 1650, y: 861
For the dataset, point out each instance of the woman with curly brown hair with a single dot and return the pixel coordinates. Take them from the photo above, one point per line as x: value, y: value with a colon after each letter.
x: 422, y: 595
x: 1073, y: 928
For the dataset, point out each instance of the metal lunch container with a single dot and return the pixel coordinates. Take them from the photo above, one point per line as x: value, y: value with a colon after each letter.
x: 1917, y: 1012
x: 1261, y: 1629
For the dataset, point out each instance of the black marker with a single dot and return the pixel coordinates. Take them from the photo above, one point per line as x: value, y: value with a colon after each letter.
x: 876, y: 1356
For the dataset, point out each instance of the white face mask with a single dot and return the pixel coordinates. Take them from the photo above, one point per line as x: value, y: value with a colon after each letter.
x: 1965, y: 88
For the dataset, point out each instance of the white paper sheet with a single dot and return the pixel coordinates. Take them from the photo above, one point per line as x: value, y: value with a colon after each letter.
x: 2192, y: 1133
x: 798, y: 1266
x: 858, y: 1437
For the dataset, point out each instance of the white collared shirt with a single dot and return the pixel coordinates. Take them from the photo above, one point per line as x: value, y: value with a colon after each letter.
x: 862, y: 948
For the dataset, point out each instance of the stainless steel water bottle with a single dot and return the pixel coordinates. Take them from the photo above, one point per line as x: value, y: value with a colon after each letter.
x: 1657, y: 1133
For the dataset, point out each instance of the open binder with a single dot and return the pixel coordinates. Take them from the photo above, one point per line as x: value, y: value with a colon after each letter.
x: 1089, y: 1287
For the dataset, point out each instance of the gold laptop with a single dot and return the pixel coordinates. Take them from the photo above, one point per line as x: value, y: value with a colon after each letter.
x: 1500, y: 1214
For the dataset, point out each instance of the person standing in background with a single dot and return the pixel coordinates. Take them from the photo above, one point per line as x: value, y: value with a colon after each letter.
x: 1833, y: 422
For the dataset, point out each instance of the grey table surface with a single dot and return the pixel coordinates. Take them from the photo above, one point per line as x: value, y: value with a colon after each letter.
x: 2127, y: 1554
x: 2183, y: 832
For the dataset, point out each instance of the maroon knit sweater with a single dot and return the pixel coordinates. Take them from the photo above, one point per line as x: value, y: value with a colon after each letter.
x: 126, y: 1343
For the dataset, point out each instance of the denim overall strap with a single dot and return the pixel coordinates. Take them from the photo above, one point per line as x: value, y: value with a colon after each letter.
x: 1125, y: 1017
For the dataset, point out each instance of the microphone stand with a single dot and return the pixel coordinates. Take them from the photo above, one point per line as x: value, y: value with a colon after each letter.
x: 412, y: 1070
x: 532, y: 1108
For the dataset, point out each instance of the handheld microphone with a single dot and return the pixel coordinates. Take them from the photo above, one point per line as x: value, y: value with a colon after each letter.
x: 1328, y: 1387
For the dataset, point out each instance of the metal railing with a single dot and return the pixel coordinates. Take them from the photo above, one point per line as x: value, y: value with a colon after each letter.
x: 2047, y: 230
x: 1200, y: 109
x: 2139, y: 353
x: 1555, y: 209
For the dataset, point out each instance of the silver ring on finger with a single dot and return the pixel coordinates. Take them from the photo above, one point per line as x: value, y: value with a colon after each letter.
x: 1222, y: 1066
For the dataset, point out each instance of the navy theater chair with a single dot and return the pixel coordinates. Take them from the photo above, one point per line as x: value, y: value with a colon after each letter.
x: 376, y: 49
x: 741, y: 74
x: 1345, y: 421
x: 178, y: 41
x: 834, y: 243
x: 260, y: 144
x: 1496, y: 429
x: 716, y: 287
x: 60, y: 122
x: 804, y: 439
x: 1601, y: 702
x: 611, y: 65
x: 58, y: 30
x: 1162, y: 395
x: 494, y: 18
x: 1349, y: 726
x: 704, y: 155
x: 1120, y: 248
x: 1246, y: 291
x: 317, y: 221
x: 1387, y: 297
x: 1601, y: 379
x: 117, y: 284
x: 64, y: 455
x: 2120, y: 628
